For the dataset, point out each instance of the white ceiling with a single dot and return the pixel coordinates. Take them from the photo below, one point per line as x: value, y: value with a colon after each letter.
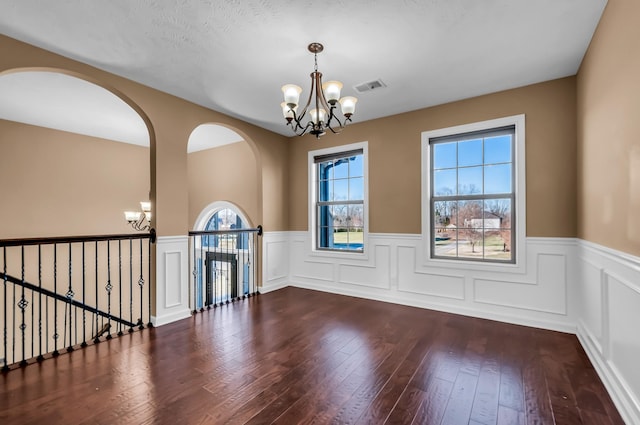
x: 62, y: 102
x: 233, y: 56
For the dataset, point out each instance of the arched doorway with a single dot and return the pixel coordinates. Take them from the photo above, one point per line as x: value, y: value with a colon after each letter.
x: 221, y: 166
x: 224, y: 256
x: 73, y: 145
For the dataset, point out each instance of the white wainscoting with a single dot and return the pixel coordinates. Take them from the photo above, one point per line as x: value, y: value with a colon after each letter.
x: 608, y: 294
x: 275, y: 263
x: 172, y: 274
x: 393, y: 271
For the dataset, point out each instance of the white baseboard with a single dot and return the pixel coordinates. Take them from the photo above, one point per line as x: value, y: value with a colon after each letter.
x: 170, y: 318
x: 266, y: 288
x: 408, y: 301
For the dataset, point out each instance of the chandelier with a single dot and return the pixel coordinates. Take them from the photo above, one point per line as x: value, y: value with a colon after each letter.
x: 140, y: 220
x: 323, y: 99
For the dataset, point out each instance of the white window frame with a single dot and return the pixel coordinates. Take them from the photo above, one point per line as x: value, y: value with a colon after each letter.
x: 313, y: 196
x: 519, y: 265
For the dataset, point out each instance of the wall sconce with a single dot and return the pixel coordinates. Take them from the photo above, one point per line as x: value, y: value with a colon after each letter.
x: 137, y: 219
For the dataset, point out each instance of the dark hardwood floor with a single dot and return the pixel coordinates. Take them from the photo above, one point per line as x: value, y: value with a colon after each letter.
x: 298, y: 356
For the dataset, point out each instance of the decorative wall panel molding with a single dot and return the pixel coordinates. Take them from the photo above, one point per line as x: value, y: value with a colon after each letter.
x: 172, y: 274
x: 393, y: 272
x: 608, y: 293
x: 275, y: 261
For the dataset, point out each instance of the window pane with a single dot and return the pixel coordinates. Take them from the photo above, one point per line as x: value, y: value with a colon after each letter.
x: 341, y: 168
x: 470, y: 221
x: 444, y: 155
x: 340, y: 238
x: 340, y: 213
x: 469, y: 180
x: 445, y: 240
x: 497, y: 149
x: 470, y: 243
x: 355, y: 167
x: 497, y: 209
x: 325, y: 170
x: 443, y: 212
x: 498, y: 245
x: 324, y: 190
x: 356, y: 215
x: 470, y: 214
x: 340, y: 190
x: 356, y: 238
x: 470, y: 153
x: 356, y: 188
x: 444, y: 182
x: 497, y: 178
x: 324, y: 215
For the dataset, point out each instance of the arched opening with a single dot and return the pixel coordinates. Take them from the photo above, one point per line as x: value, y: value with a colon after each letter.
x: 224, y: 257
x: 74, y: 155
x: 78, y: 155
x: 222, y: 167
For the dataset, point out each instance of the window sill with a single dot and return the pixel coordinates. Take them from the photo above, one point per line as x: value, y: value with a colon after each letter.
x: 345, y: 255
x: 518, y: 267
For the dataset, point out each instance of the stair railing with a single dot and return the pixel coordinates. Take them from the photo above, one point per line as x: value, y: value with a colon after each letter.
x: 224, y: 266
x: 62, y: 293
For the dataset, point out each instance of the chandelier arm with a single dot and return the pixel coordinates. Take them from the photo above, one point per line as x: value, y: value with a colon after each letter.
x: 298, y: 129
x: 297, y: 120
x: 331, y: 117
x: 306, y: 106
x: 139, y: 227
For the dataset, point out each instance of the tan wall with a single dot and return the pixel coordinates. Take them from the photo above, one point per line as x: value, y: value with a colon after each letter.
x: 226, y: 173
x: 170, y: 120
x: 394, y: 158
x: 609, y: 131
x: 55, y: 183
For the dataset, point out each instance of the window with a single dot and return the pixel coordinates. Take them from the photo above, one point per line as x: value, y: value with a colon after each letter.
x: 338, y: 193
x: 225, y: 219
x: 473, y: 180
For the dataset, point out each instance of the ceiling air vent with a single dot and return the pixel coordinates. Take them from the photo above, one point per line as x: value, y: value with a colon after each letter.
x: 369, y: 86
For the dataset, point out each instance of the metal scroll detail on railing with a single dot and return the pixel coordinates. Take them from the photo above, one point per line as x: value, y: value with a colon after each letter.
x: 224, y: 266
x: 67, y: 292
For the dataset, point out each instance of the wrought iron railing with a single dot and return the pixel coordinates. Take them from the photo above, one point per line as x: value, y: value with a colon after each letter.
x: 224, y: 266
x: 62, y: 293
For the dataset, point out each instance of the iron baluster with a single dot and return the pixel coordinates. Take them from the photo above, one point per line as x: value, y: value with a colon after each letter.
x: 84, y: 292
x: 40, y: 352
x: 130, y: 284
x: 109, y: 287
x: 151, y: 240
x: 23, y: 304
x: 70, y: 295
x: 5, y: 367
x: 55, y: 303
x: 141, y: 284
x: 96, y: 339
x: 120, y: 333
